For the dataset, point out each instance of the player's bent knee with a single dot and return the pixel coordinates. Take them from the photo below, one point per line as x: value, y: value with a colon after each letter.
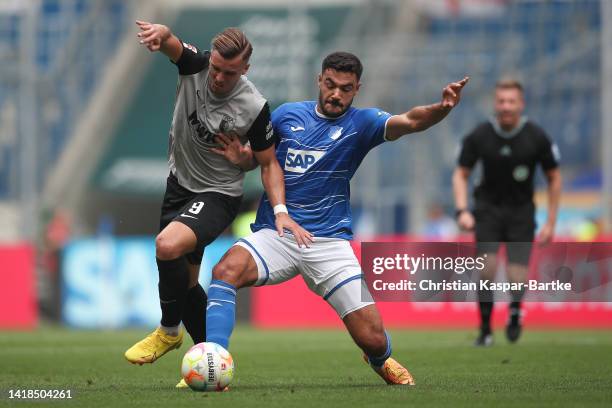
x: 228, y: 271
x: 166, y: 249
x: 174, y: 241
x: 237, y: 268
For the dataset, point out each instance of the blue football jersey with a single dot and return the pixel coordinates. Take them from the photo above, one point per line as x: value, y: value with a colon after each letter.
x: 319, y: 156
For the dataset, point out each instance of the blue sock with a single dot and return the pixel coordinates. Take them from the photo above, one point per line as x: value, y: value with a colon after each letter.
x: 379, y: 361
x: 220, y: 312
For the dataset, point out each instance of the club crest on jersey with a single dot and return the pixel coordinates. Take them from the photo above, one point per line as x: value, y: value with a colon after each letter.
x: 298, y: 161
x: 227, y: 124
x: 520, y: 173
x: 335, y: 132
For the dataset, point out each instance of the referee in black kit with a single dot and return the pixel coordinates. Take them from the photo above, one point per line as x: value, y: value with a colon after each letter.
x: 509, y: 147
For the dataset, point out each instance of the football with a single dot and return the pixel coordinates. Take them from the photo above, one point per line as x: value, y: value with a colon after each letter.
x: 207, y: 367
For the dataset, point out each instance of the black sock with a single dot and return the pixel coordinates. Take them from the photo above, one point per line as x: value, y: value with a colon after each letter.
x: 515, y: 305
x: 194, y: 314
x: 173, y: 282
x: 485, y: 298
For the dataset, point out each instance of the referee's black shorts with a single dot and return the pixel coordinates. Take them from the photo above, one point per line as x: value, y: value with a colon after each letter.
x: 510, y: 224
x: 207, y: 214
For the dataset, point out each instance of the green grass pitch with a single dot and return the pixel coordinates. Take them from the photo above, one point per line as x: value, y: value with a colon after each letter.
x: 317, y: 368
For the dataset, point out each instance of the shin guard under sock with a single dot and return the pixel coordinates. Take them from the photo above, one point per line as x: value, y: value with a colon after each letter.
x: 220, y: 312
x: 173, y: 282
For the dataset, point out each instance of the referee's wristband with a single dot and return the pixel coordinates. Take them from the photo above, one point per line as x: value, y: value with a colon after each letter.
x: 459, y: 212
x: 280, y: 208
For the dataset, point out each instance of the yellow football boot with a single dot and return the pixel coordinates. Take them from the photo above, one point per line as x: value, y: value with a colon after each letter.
x: 182, y: 384
x: 393, y: 372
x: 153, y: 347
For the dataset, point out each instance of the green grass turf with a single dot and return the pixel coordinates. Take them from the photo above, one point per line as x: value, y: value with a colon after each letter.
x: 317, y: 369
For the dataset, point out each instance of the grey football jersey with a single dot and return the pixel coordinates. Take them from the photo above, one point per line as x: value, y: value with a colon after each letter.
x: 199, y: 115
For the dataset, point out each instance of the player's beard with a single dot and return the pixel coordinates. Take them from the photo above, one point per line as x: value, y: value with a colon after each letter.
x: 333, y: 114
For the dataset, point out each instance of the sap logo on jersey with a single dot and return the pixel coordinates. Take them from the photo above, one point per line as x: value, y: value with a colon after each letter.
x: 298, y: 161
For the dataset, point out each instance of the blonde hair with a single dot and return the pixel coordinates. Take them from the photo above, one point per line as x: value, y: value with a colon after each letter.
x: 232, y: 42
x: 509, y: 83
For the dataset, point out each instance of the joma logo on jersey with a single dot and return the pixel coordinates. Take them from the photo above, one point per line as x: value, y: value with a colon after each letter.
x: 298, y: 161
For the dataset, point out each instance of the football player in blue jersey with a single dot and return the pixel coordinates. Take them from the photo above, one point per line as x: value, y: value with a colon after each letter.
x: 320, y: 145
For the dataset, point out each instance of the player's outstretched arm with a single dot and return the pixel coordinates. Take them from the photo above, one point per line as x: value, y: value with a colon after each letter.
x: 423, y: 117
x: 274, y: 184
x: 158, y: 37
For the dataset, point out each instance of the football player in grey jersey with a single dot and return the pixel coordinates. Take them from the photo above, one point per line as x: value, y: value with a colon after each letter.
x: 215, y: 102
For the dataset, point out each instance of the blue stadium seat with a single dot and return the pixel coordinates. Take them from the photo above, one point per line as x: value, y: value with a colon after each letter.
x: 79, y: 29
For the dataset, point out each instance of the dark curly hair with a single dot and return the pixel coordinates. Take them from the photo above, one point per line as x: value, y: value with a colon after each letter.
x: 343, y: 62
